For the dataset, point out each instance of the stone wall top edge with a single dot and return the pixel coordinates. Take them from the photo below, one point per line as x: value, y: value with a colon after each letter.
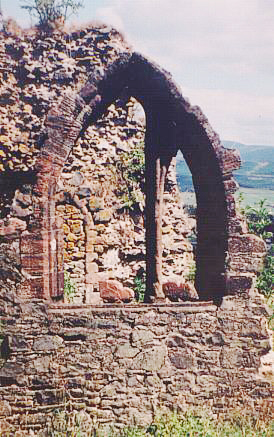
x: 173, y: 307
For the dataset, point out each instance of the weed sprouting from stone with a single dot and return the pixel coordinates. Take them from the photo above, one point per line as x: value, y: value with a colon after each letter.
x: 69, y: 287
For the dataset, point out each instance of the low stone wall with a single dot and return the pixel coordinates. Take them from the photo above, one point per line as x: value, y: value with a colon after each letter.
x: 123, y: 363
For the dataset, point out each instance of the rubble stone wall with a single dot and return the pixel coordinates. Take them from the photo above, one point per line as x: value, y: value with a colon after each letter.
x: 123, y: 364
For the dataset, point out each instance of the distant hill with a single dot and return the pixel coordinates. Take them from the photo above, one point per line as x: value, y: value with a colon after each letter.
x: 257, y: 170
x: 252, y: 153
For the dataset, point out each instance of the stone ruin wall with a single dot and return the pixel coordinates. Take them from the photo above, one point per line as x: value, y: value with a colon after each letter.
x: 112, y: 362
x: 125, y: 363
x: 101, y: 239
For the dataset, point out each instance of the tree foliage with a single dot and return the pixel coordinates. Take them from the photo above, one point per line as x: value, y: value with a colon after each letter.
x: 48, y: 11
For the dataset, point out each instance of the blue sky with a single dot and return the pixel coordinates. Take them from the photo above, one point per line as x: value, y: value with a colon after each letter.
x: 220, y: 52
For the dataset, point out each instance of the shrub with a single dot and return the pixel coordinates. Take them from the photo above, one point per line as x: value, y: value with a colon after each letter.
x: 258, y: 217
x: 131, y: 168
x: 48, y: 11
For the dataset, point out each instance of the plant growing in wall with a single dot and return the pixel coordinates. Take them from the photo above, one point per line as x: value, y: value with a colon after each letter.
x: 140, y: 286
x: 69, y: 288
x: 131, y: 168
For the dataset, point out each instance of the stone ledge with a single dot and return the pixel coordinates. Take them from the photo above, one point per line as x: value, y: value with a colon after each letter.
x: 161, y: 307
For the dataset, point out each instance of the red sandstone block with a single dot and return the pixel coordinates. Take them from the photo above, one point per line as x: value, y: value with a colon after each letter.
x: 113, y: 291
x: 231, y: 186
x: 32, y: 261
x: 248, y: 243
x: 58, y: 150
x: 31, y: 243
x: 174, y: 291
x: 231, y: 206
x: 31, y: 288
x: 238, y: 284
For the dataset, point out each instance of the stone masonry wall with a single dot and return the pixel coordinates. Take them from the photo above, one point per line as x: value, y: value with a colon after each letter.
x: 123, y: 363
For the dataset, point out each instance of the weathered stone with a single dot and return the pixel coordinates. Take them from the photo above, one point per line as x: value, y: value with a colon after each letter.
x: 47, y: 343
x: 239, y: 283
x: 126, y: 351
x: 246, y: 244
x: 113, y: 291
x: 91, y: 268
x: 176, y: 340
x: 140, y: 337
x: 99, y: 248
x: 180, y: 291
x: 5, y: 408
x: 103, y: 216
x: 96, y: 204
x: 216, y: 339
x: 151, y: 359
x: 41, y: 364
x: 182, y: 360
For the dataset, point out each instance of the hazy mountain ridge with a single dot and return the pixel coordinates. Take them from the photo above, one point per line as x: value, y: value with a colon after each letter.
x: 257, y: 170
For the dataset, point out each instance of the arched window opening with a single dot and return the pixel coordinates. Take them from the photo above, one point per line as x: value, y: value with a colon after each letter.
x: 178, y: 256
x: 172, y: 124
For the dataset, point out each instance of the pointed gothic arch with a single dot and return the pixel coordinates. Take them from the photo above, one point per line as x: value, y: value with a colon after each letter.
x: 172, y: 124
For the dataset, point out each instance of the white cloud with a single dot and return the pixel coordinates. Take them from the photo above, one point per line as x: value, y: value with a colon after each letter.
x: 236, y: 116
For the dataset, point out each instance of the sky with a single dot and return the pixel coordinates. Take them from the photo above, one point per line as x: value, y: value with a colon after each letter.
x: 220, y: 53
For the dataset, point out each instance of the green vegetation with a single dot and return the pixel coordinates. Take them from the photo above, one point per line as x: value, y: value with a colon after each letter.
x: 69, y: 287
x: 192, y: 272
x: 258, y: 218
x: 48, y: 11
x: 253, y: 196
x: 140, y: 286
x: 266, y: 279
x: 171, y: 425
x: 131, y: 168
